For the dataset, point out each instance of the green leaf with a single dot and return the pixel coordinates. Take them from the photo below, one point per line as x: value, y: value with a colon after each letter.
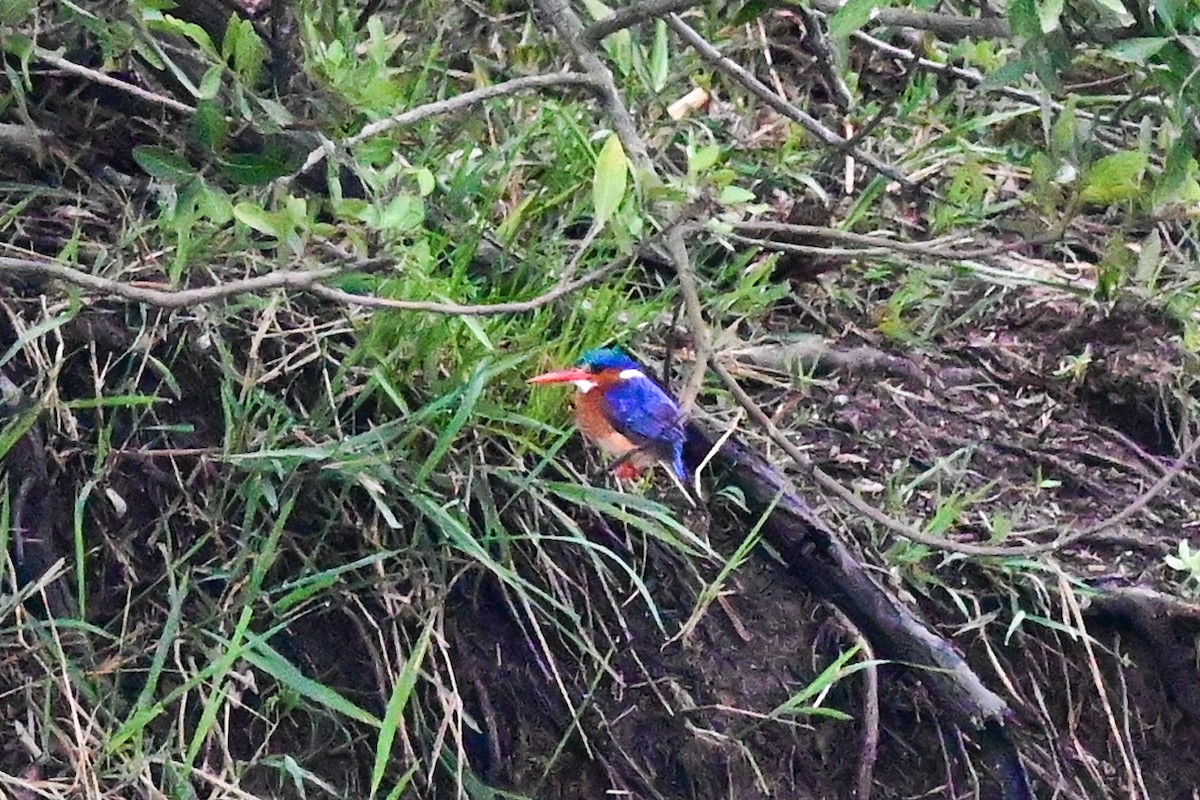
x: 1139, y: 50
x: 854, y: 15
x: 404, y: 213
x: 1024, y: 20
x: 733, y: 195
x: 608, y: 185
x: 14, y: 12
x: 659, y: 57
x: 213, y: 203
x: 259, y: 219
x: 245, y: 48
x: 702, y: 159
x: 1177, y: 183
x: 751, y: 11
x: 1008, y: 74
x: 163, y: 164
x: 189, y: 30
x: 1171, y: 12
x: 1117, y: 9
x: 1049, y: 13
x: 466, y: 406
x: 1063, y: 132
x: 257, y: 169
x: 426, y: 182
x: 210, y: 84
x: 1115, y: 178
x: 209, y: 125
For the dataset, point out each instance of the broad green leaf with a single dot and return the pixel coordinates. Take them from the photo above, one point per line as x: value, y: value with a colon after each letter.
x: 853, y: 16
x: 1139, y: 50
x: 702, y: 159
x: 1114, y: 178
x: 257, y: 169
x: 1063, y: 131
x: 403, y: 213
x: 426, y: 182
x: 1177, y: 180
x: 1049, y: 12
x: 259, y: 219
x: 163, y: 164
x: 1117, y: 8
x: 620, y: 44
x: 1008, y: 74
x: 214, y: 203
x: 732, y: 195
x: 608, y: 185
x: 209, y: 125
x: 1170, y: 12
x: 210, y: 84
x: 245, y: 48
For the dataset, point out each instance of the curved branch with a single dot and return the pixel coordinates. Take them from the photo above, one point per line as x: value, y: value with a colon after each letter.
x: 628, y: 16
x: 306, y: 281
x: 451, y: 104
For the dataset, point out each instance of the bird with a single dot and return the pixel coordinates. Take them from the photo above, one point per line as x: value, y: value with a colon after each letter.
x: 625, y: 412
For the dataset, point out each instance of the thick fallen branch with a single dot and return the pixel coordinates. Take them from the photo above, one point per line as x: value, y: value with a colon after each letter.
x: 828, y: 567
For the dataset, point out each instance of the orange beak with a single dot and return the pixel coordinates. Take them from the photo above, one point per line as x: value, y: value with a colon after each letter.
x: 563, y: 376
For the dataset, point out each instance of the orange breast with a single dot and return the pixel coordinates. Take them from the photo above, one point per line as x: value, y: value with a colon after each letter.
x: 589, y: 415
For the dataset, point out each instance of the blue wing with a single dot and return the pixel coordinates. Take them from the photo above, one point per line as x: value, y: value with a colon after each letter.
x: 642, y: 412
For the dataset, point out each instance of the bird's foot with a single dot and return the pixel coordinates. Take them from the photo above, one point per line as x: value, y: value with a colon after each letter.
x: 627, y: 471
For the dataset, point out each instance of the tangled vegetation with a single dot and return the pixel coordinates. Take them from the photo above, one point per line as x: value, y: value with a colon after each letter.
x: 281, y: 517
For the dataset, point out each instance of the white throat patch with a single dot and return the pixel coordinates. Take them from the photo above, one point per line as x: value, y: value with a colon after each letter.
x: 585, y: 385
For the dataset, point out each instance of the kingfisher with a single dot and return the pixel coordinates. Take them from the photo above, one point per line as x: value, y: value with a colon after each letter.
x: 625, y: 412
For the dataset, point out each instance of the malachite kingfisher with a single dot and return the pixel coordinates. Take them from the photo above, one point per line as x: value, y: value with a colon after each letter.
x: 625, y: 412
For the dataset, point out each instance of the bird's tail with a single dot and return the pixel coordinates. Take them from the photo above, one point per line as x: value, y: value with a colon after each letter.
x: 677, y: 464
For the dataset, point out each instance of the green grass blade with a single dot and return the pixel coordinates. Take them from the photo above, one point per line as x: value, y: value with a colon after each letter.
x: 270, y: 661
x: 405, y: 682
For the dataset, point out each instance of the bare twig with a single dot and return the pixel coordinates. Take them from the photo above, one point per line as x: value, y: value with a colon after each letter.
x: 629, y: 16
x: 944, y: 26
x: 743, y: 76
x: 939, y: 248
x: 452, y: 104
x: 166, y: 298
x: 95, y: 76
x: 864, y: 778
x: 701, y: 337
